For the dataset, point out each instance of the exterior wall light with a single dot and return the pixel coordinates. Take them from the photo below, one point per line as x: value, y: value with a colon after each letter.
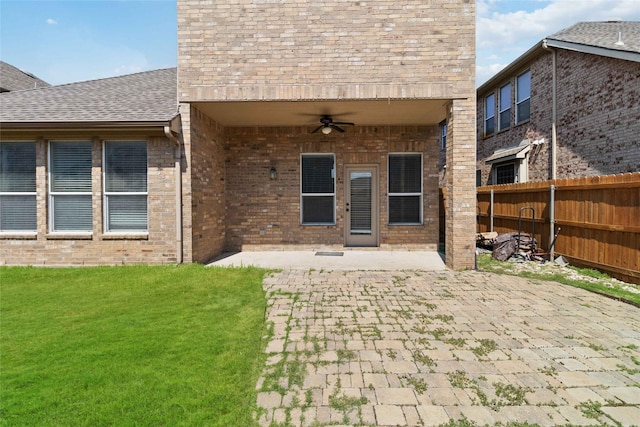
x: 273, y: 173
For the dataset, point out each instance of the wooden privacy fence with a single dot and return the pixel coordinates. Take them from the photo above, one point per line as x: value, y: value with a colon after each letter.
x: 599, y: 219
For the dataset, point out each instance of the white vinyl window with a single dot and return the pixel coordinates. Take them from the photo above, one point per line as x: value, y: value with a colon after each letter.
x: 70, y: 186
x: 523, y: 97
x: 318, y: 189
x: 125, y: 187
x: 405, y: 189
x: 504, y: 117
x: 489, y: 114
x: 18, y: 187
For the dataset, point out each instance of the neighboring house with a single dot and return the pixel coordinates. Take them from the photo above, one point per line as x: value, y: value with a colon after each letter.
x: 568, y: 107
x: 254, y: 82
x: 12, y: 78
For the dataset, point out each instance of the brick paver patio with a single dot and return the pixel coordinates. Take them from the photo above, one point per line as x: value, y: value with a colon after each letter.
x: 411, y: 348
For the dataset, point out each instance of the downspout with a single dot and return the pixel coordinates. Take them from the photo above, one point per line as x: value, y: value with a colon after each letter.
x: 171, y: 135
x: 554, y: 109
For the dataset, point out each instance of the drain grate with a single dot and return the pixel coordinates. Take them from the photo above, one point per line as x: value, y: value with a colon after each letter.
x: 329, y: 253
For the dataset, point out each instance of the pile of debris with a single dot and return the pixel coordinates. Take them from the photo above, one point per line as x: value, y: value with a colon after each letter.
x: 504, y: 246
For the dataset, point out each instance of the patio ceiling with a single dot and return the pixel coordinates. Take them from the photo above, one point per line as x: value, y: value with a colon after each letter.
x: 308, y: 113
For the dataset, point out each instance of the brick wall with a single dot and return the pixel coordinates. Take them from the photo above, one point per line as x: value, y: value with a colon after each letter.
x: 157, y: 247
x: 294, y: 49
x: 264, y: 212
x: 598, y: 122
x: 460, y: 215
x: 598, y: 114
x: 206, y: 176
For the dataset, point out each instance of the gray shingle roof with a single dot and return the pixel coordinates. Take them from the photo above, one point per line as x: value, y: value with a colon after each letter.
x: 12, y: 78
x: 603, y: 35
x: 149, y: 96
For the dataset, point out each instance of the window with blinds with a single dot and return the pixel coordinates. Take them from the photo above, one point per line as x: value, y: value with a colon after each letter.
x: 405, y: 189
x: 18, y: 187
x: 125, y: 186
x: 70, y: 186
x: 318, y: 196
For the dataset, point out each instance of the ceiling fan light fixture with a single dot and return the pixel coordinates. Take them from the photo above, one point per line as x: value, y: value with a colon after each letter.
x: 326, y: 130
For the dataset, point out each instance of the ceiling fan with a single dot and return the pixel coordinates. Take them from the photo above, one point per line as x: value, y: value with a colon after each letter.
x: 328, y: 124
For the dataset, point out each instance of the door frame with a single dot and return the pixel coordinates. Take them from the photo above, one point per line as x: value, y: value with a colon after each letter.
x: 349, y: 240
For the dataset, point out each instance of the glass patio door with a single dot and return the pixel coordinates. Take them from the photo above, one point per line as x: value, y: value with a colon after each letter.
x: 361, y: 206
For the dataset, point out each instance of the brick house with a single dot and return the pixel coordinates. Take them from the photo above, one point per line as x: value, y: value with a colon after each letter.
x: 577, y: 90
x: 264, y: 162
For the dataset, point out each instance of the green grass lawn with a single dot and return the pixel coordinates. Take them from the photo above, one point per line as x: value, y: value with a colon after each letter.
x: 125, y: 346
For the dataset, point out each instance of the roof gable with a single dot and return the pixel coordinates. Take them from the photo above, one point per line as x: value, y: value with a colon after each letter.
x: 13, y: 78
x: 612, y: 35
x: 597, y: 38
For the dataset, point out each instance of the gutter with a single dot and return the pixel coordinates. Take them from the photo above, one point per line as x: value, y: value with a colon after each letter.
x: 142, y: 125
x: 554, y: 108
x: 172, y: 131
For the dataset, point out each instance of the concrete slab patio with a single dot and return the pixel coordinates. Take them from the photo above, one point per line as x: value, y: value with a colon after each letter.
x: 334, y: 260
x: 428, y: 348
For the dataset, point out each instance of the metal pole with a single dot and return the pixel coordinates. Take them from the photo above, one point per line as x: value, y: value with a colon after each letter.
x: 552, y: 219
x: 491, y: 215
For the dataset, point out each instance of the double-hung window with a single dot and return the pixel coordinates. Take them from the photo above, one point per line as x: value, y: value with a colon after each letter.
x: 504, y: 118
x: 489, y: 114
x: 405, y: 189
x: 125, y: 186
x: 318, y: 189
x: 18, y: 187
x: 70, y: 187
x: 523, y: 97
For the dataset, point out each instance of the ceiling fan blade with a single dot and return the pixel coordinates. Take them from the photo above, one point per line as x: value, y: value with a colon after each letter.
x: 317, y: 129
x: 344, y: 123
x: 338, y: 128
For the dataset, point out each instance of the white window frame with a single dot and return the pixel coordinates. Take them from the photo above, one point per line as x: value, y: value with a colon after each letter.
x: 106, y: 211
x: 23, y: 193
x: 302, y: 195
x: 488, y: 117
x: 528, y: 98
x: 52, y: 194
x: 413, y: 194
x: 502, y: 126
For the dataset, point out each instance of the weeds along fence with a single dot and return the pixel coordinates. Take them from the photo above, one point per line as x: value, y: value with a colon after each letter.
x: 599, y: 219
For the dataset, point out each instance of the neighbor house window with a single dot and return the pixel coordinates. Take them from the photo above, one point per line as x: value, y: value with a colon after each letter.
x: 405, y: 188
x: 523, y: 97
x: 125, y: 186
x: 318, y: 189
x: 70, y: 187
x: 504, y: 118
x: 443, y: 135
x: 18, y: 187
x: 489, y: 114
x: 505, y: 174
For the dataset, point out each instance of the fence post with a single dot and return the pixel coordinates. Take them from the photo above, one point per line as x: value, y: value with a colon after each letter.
x: 491, y: 215
x: 552, y: 219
